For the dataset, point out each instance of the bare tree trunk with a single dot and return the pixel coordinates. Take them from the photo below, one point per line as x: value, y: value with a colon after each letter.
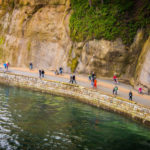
x: 90, y: 3
x: 102, y: 1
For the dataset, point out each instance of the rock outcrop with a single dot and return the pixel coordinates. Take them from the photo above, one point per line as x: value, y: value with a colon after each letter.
x: 143, y: 67
x: 103, y: 57
x: 35, y: 33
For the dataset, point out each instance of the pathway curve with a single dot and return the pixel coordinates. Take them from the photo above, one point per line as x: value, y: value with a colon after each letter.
x: 104, y: 85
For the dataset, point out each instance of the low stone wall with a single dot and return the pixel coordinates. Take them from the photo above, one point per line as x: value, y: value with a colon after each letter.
x: 89, y: 96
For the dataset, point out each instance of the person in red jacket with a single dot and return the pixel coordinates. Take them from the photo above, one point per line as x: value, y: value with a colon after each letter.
x: 95, y: 83
x: 115, y: 78
x: 140, y: 90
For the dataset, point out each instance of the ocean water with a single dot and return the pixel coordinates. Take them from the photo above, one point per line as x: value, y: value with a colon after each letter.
x: 38, y: 121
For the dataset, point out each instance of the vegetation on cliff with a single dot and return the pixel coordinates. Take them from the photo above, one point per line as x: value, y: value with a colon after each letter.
x: 108, y: 20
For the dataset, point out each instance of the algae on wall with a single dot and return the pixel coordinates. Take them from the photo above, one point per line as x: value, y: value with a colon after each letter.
x: 2, y: 41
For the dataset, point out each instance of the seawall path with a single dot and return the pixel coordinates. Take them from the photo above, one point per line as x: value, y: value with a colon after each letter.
x: 105, y: 85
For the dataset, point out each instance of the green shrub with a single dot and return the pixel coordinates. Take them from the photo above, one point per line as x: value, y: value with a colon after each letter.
x: 2, y: 40
x: 74, y: 64
x: 1, y: 52
x: 111, y: 20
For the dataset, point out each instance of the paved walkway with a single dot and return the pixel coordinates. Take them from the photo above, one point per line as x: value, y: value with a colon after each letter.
x: 104, y: 85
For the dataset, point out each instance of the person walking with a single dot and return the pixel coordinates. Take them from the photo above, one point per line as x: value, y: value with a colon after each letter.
x: 74, y: 78
x: 140, y: 90
x: 93, y: 75
x: 7, y: 65
x: 90, y: 77
x: 115, y: 78
x: 71, y: 79
x: 92, y: 82
x: 115, y: 90
x: 31, y: 66
x: 60, y: 70
x: 130, y: 95
x: 95, y: 83
x: 56, y: 72
x: 40, y: 73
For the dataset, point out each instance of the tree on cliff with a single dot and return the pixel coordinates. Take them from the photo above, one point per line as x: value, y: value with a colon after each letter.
x: 90, y: 2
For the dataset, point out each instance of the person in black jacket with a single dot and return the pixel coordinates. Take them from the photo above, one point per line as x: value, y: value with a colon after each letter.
x: 43, y: 72
x: 60, y: 70
x: 130, y: 95
x: 71, y: 79
x: 31, y: 66
x: 40, y: 73
x: 74, y: 78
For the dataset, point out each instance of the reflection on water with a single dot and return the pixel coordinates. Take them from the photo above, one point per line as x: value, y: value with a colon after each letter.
x: 35, y: 121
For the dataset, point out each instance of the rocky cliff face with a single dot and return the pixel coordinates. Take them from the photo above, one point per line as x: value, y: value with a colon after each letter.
x: 107, y: 58
x: 35, y: 32
x: 143, y: 67
x: 38, y: 31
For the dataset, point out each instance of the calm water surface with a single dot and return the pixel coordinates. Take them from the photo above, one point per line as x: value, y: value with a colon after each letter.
x: 36, y: 121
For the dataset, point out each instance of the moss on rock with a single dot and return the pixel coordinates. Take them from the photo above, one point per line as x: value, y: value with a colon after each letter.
x: 74, y: 64
x: 109, y: 20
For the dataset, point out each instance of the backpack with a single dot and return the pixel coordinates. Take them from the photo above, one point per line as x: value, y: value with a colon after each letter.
x: 116, y: 88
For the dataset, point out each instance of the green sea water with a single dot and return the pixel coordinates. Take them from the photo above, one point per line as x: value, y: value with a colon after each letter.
x: 38, y: 121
